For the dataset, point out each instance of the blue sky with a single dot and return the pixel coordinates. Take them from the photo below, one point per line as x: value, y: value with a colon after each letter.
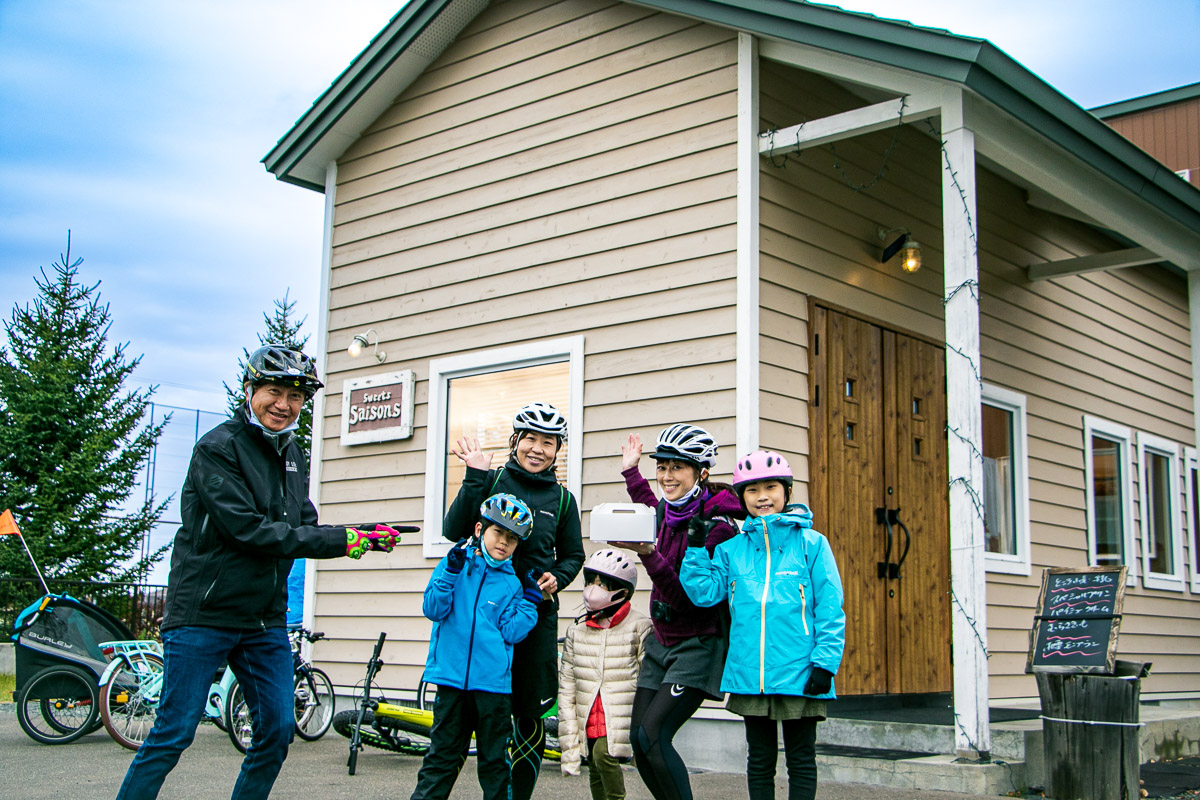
x: 139, y: 124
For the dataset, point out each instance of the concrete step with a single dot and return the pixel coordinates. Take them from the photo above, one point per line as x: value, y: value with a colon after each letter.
x: 939, y: 772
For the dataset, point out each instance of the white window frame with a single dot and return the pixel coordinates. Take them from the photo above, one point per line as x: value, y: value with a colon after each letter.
x: 1172, y: 581
x: 1191, y: 461
x: 1015, y: 404
x: 443, y: 370
x: 1123, y: 438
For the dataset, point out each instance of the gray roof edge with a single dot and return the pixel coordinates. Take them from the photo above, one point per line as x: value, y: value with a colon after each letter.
x: 1147, y: 101
x: 348, y: 87
x: 978, y: 65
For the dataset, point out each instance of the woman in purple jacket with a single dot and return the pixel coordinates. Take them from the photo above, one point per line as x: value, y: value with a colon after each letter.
x: 683, y: 661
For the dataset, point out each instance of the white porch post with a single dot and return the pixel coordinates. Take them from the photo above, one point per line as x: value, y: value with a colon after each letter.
x: 968, y: 586
x: 1194, y: 319
x: 317, y: 449
x: 747, y: 379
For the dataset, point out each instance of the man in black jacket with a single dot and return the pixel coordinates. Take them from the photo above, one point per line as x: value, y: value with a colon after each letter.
x: 245, y: 515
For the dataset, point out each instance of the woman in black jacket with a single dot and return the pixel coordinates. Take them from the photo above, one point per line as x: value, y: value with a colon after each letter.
x: 553, y: 552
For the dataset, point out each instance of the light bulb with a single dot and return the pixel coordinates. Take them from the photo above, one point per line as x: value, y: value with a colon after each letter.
x: 910, y: 256
x: 356, y: 346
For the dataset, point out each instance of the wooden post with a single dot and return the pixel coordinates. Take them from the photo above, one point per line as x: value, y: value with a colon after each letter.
x: 1090, y: 761
x: 968, y: 586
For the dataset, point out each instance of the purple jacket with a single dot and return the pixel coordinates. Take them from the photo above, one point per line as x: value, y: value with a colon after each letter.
x: 662, y: 565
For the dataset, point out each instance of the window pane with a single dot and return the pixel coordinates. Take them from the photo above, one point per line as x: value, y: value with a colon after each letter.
x: 483, y: 406
x: 999, y: 492
x: 1158, y: 513
x: 1195, y: 479
x: 1106, y: 500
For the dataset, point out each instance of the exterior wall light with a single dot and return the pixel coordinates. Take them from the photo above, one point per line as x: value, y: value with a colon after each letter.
x: 362, y: 340
x: 904, y: 244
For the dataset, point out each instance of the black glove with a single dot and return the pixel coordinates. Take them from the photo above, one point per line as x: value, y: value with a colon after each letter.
x: 698, y: 529
x: 456, y: 557
x: 530, y: 583
x: 819, y: 682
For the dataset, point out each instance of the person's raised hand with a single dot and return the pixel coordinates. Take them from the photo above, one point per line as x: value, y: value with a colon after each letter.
x: 631, y: 451
x: 456, y: 557
x: 471, y: 454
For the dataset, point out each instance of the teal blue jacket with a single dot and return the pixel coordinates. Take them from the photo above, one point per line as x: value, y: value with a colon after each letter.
x: 785, y: 602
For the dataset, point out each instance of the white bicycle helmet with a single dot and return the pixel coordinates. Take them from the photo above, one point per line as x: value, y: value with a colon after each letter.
x: 614, y: 565
x: 686, y: 443
x: 541, y: 417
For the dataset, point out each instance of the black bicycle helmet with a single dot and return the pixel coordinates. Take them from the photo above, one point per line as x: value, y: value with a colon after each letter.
x: 283, y: 366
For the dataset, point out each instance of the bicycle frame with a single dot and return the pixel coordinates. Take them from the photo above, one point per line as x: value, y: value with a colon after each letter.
x: 132, y: 654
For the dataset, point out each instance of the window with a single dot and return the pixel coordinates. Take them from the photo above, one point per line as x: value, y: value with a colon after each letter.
x: 1005, y: 482
x: 1109, y: 495
x: 1191, y: 467
x: 476, y: 395
x: 1162, y: 542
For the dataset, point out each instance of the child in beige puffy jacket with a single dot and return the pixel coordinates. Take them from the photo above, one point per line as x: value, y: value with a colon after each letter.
x: 598, y: 674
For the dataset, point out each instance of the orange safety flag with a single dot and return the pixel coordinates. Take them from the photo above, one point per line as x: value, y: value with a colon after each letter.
x: 8, y: 524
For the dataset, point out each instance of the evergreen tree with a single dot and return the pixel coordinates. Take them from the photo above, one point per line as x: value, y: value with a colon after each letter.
x: 72, y: 441
x: 281, y: 328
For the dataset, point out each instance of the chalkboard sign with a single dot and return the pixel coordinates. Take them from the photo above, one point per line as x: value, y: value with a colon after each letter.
x: 1077, y: 621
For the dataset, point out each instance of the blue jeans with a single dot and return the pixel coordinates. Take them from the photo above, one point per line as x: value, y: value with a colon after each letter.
x: 262, y: 662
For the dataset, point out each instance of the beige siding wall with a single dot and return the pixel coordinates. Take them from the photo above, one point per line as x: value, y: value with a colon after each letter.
x: 1112, y: 345
x: 563, y: 168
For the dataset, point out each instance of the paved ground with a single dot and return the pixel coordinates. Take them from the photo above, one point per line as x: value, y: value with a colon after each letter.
x: 92, y: 767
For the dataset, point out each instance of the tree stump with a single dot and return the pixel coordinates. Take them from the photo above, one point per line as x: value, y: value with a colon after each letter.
x: 1084, y: 760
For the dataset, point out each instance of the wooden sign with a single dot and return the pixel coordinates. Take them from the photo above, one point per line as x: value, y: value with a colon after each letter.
x: 377, y: 408
x: 1077, y: 620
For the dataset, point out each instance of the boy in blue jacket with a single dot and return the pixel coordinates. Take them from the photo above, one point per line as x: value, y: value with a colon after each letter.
x: 480, y: 609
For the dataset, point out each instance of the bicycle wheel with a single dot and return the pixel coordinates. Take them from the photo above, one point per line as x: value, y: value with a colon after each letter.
x: 314, y: 704
x: 426, y: 695
x: 57, y: 705
x: 129, y: 701
x: 238, y: 722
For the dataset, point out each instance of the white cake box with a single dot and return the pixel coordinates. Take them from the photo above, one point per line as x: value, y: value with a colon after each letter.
x: 622, y: 522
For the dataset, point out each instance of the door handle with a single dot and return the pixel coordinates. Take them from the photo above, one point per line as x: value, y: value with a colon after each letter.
x: 894, y: 569
x: 889, y: 517
x: 883, y: 517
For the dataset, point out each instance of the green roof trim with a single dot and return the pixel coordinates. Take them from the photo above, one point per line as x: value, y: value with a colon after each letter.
x: 388, y: 45
x: 1148, y: 101
x: 975, y: 64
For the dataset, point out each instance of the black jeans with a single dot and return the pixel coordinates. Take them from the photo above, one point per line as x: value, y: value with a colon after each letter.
x: 455, y: 715
x: 800, y: 753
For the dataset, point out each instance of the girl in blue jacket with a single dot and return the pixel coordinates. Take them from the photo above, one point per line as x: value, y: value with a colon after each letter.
x: 480, y: 609
x: 788, y: 628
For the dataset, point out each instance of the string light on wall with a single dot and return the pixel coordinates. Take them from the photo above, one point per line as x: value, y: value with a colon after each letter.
x: 904, y: 244
x: 362, y: 340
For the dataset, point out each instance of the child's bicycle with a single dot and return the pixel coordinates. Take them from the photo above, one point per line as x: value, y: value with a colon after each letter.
x: 404, y: 728
x: 131, y: 685
x: 313, y: 692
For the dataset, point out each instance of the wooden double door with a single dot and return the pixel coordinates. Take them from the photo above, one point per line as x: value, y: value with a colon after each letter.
x: 878, y: 490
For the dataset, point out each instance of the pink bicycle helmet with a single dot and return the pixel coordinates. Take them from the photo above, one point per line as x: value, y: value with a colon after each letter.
x: 761, y: 465
x: 612, y: 564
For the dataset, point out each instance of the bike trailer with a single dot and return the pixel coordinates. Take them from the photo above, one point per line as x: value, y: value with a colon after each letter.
x: 60, y: 629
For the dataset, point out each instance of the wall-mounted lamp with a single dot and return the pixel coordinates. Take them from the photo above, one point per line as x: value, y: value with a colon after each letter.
x: 362, y: 340
x: 904, y: 244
